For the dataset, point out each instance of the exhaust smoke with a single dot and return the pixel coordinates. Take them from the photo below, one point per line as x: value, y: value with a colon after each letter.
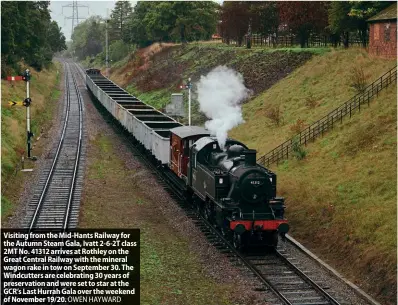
x: 219, y: 95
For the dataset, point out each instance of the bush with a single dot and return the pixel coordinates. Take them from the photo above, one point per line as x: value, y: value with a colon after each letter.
x: 274, y: 114
x: 298, y: 152
x: 358, y: 80
x: 119, y: 50
x: 298, y: 127
x: 311, y: 102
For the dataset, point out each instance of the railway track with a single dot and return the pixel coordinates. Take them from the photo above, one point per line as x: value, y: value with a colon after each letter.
x: 282, y: 281
x: 55, y: 203
x: 275, y: 274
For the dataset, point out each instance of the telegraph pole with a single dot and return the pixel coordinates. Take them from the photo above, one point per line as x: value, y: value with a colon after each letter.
x: 106, y: 46
x: 188, y: 86
x: 189, y: 101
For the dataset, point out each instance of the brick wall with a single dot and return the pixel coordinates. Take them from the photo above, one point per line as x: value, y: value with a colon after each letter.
x: 383, y: 39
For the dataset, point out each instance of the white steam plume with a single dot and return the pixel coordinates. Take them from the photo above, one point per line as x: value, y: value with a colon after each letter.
x: 219, y: 94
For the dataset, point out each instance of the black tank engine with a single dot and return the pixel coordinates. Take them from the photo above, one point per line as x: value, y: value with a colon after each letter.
x: 236, y: 193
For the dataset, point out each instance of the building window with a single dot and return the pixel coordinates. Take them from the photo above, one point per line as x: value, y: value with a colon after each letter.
x: 387, y: 32
x: 376, y: 31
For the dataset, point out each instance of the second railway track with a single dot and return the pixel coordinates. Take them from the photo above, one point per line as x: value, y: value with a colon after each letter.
x: 56, y: 200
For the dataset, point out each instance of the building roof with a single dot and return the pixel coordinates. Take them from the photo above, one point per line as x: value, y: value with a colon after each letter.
x: 389, y: 13
x: 187, y: 131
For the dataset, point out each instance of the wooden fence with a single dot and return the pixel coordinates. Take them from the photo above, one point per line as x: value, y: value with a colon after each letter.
x: 290, y: 40
x: 327, y: 122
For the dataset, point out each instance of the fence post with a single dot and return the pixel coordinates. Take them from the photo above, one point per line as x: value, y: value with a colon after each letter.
x: 305, y: 140
x: 359, y: 104
x: 350, y: 110
x: 368, y: 98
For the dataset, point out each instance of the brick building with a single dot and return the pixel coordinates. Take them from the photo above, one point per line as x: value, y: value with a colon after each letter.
x: 383, y: 33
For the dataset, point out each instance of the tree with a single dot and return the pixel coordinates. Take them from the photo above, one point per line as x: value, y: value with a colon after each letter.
x: 136, y: 30
x: 171, y: 21
x: 266, y: 17
x: 88, y: 37
x: 340, y: 23
x: 235, y: 18
x: 346, y: 17
x: 29, y: 34
x: 119, y: 17
x: 194, y: 20
x: 303, y: 18
x: 55, y: 38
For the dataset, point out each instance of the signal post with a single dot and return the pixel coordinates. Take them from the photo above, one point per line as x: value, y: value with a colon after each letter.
x: 26, y: 102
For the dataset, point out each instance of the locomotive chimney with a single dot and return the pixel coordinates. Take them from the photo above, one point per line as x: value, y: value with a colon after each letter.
x: 250, y: 157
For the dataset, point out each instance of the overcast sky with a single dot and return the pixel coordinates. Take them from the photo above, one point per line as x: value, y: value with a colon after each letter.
x: 94, y: 8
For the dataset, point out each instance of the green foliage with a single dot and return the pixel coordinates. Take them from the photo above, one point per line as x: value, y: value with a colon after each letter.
x: 119, y: 50
x: 29, y: 34
x: 140, y: 201
x: 284, y: 166
x: 171, y: 21
x: 88, y: 38
x: 5, y: 205
x: 298, y: 151
x: 350, y: 16
x: 119, y: 17
x: 89, y: 44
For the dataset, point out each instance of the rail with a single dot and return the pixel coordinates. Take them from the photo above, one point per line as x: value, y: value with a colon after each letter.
x: 56, y: 206
x: 326, y: 123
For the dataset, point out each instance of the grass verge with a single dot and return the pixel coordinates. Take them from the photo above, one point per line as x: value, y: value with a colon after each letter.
x: 44, y: 92
x: 341, y: 199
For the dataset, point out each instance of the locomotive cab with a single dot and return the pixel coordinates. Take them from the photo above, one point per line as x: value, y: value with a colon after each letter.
x: 181, y: 140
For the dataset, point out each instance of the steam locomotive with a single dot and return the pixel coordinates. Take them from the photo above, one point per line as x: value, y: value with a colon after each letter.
x: 225, y: 185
